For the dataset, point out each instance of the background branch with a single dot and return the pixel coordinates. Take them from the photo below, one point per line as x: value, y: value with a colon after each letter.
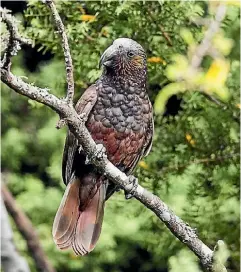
x: 10, y: 258
x: 206, y: 43
x: 25, y: 227
x: 67, y: 56
x: 189, y: 77
x: 15, y: 39
x: 164, y: 33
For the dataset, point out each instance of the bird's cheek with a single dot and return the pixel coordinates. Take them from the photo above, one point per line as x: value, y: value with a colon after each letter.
x: 138, y: 61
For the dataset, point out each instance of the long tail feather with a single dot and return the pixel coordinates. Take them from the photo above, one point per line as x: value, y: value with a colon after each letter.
x: 79, y: 229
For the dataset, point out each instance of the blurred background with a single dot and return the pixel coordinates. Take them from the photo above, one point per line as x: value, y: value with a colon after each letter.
x: 194, y: 162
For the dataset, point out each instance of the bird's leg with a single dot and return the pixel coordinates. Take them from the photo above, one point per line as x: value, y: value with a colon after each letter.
x: 133, y: 184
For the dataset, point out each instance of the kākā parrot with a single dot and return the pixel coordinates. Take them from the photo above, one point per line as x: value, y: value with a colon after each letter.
x: 119, y: 116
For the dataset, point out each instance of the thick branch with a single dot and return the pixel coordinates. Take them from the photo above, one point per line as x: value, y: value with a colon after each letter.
x: 26, y: 229
x: 66, y: 49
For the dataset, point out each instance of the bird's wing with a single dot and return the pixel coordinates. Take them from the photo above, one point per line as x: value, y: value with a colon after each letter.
x: 84, y: 105
x: 149, y: 139
x: 128, y: 165
x: 146, y: 148
x: 78, y: 221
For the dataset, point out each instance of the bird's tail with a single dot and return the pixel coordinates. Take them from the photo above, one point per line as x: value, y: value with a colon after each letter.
x: 79, y: 229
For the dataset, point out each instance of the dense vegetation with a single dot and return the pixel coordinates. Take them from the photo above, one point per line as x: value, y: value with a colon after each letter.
x: 194, y: 163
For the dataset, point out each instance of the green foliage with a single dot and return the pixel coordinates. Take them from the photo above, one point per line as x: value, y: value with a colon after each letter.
x: 184, y: 261
x: 220, y: 256
x: 194, y: 163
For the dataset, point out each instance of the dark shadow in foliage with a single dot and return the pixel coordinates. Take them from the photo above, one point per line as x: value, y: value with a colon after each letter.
x: 135, y: 259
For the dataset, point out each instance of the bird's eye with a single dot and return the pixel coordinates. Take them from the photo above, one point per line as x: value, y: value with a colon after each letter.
x: 130, y: 54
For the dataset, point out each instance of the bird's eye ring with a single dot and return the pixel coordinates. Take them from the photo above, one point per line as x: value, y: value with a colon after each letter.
x: 130, y: 54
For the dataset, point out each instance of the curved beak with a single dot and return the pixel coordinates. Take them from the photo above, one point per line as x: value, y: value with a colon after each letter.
x: 107, y: 58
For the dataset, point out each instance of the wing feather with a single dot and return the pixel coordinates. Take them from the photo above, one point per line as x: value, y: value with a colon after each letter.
x: 84, y: 105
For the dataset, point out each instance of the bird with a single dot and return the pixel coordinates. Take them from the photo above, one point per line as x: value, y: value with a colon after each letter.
x: 120, y: 117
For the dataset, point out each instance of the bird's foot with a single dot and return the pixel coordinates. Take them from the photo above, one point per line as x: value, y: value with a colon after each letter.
x: 133, y: 184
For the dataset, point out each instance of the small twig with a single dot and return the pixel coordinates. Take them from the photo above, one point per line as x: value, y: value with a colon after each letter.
x: 166, y: 36
x: 67, y: 56
x: 214, y: 100
x: 89, y: 38
x: 164, y: 33
x: 204, y: 46
x: 212, y: 52
x: 14, y: 41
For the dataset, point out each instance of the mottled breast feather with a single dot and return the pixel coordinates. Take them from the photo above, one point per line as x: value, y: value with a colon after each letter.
x: 121, y: 120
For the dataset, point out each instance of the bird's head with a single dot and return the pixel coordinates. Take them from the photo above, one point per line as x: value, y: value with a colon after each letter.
x: 124, y: 56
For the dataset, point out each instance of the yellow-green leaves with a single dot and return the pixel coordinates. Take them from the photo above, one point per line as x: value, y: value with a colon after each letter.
x: 215, y: 79
x: 221, y: 255
x: 166, y: 93
x: 222, y: 44
x: 187, y: 36
x: 178, y: 69
x: 194, y: 71
x: 183, y: 261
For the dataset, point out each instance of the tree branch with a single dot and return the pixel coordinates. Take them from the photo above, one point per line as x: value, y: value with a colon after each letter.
x: 10, y: 258
x: 164, y: 33
x: 26, y: 229
x: 76, y: 125
x: 14, y: 41
x: 67, y: 56
x: 206, y: 43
